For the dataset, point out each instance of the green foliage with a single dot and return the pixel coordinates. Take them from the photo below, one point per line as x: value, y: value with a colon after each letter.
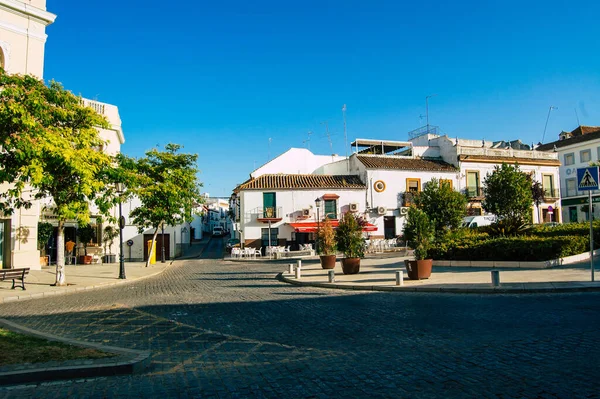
x: 50, y: 142
x: 506, y: 227
x: 569, y: 229
x: 530, y: 248
x: 166, y: 183
x: 418, y: 230
x: 109, y: 235
x: 327, y: 243
x: 537, y: 193
x: 45, y: 231
x: 444, y: 206
x: 349, y: 236
x: 86, y: 234
x: 508, y: 194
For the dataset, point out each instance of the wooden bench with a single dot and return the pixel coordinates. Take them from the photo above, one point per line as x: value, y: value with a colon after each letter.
x: 14, y: 274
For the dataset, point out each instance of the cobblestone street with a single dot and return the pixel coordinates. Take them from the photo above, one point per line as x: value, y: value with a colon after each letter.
x: 226, y: 329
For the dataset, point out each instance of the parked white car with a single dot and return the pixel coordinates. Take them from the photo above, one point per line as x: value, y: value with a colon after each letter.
x: 478, y: 221
x: 217, y: 231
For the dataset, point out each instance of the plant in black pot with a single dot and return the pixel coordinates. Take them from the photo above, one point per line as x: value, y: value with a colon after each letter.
x: 108, y: 237
x: 419, y: 232
x: 327, y: 245
x: 350, y: 242
x: 86, y: 234
x: 45, y: 231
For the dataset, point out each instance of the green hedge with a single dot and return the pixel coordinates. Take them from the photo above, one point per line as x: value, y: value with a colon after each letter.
x: 530, y: 248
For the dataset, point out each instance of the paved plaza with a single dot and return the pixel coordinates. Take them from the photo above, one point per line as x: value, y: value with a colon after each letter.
x: 220, y: 329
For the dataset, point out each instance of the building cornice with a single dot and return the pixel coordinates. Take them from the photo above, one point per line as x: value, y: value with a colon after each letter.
x: 18, y: 7
x: 509, y: 160
x: 21, y: 31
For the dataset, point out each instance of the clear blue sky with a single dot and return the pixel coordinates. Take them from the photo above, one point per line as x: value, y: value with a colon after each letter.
x: 222, y: 77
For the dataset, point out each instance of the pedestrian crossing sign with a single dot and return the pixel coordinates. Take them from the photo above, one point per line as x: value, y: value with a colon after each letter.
x: 587, y: 178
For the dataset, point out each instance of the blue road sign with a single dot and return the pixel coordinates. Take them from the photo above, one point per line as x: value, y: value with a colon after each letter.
x: 587, y: 178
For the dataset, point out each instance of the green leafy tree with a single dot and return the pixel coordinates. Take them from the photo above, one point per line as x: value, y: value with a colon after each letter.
x: 167, y: 186
x: 444, y: 206
x: 51, y: 149
x: 508, y: 195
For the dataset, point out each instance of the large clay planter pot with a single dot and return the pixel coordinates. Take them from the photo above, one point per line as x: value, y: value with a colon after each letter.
x: 327, y: 261
x: 350, y: 265
x: 43, y: 261
x: 85, y: 259
x: 418, y: 269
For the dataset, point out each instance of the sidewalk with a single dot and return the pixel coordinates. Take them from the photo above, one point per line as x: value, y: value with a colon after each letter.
x: 379, y: 274
x: 88, y: 277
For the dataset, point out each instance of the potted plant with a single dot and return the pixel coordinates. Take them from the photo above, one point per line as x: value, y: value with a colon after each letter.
x: 86, y: 234
x: 418, y: 230
x: 108, y: 237
x: 45, y: 231
x: 350, y: 242
x: 327, y: 245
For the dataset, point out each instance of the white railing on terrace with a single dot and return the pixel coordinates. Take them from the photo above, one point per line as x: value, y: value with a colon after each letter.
x: 497, y: 152
x: 96, y: 106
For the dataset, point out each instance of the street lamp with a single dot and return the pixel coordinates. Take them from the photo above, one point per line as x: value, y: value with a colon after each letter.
x: 120, y: 189
x: 318, y: 205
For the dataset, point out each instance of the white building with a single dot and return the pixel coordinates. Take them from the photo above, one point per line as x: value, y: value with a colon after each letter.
x: 576, y: 149
x: 22, y: 41
x: 279, y: 199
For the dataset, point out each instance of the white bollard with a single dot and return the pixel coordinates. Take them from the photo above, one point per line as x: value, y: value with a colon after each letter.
x: 299, y: 264
x: 291, y: 268
x: 496, y: 278
x: 298, y: 272
x: 400, y: 277
x: 331, y: 274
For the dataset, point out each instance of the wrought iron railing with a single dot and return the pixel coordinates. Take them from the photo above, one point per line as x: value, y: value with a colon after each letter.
x: 474, y: 192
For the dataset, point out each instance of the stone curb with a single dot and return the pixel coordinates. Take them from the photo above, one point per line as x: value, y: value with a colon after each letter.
x: 65, y: 291
x: 521, y: 289
x: 139, y: 362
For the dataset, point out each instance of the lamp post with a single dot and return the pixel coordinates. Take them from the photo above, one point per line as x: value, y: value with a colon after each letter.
x: 318, y: 205
x: 120, y: 189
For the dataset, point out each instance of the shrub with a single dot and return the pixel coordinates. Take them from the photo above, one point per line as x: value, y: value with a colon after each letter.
x: 418, y: 230
x: 45, y: 231
x: 529, y: 248
x: 327, y: 244
x: 349, y: 236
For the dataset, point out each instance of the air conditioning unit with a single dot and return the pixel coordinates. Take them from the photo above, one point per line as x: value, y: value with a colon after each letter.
x: 354, y: 207
x: 403, y: 211
x: 381, y: 210
x: 305, y: 212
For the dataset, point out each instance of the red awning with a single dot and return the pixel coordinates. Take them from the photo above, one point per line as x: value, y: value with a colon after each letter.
x: 311, y: 227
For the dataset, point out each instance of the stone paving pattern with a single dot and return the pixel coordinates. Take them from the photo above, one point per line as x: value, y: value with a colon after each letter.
x: 231, y: 330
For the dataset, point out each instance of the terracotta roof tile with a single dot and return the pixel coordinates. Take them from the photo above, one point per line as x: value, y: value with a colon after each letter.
x: 391, y: 162
x: 281, y: 181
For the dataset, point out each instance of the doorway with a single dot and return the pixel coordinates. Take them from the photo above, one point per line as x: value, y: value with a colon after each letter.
x: 573, y: 214
x: 389, y: 227
x: 159, y: 243
x: 4, y: 243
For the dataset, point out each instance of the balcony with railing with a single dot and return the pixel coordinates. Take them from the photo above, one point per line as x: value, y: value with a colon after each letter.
x: 551, y: 195
x: 408, y: 198
x: 474, y: 192
x: 268, y: 214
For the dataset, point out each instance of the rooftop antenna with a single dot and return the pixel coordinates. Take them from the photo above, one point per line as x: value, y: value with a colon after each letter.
x: 577, y: 115
x: 345, y: 137
x: 427, y: 109
x: 307, y: 141
x: 548, y: 117
x: 328, y: 135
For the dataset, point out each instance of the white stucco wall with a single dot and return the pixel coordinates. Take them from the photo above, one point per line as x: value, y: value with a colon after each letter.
x: 295, y: 161
x: 292, y: 203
